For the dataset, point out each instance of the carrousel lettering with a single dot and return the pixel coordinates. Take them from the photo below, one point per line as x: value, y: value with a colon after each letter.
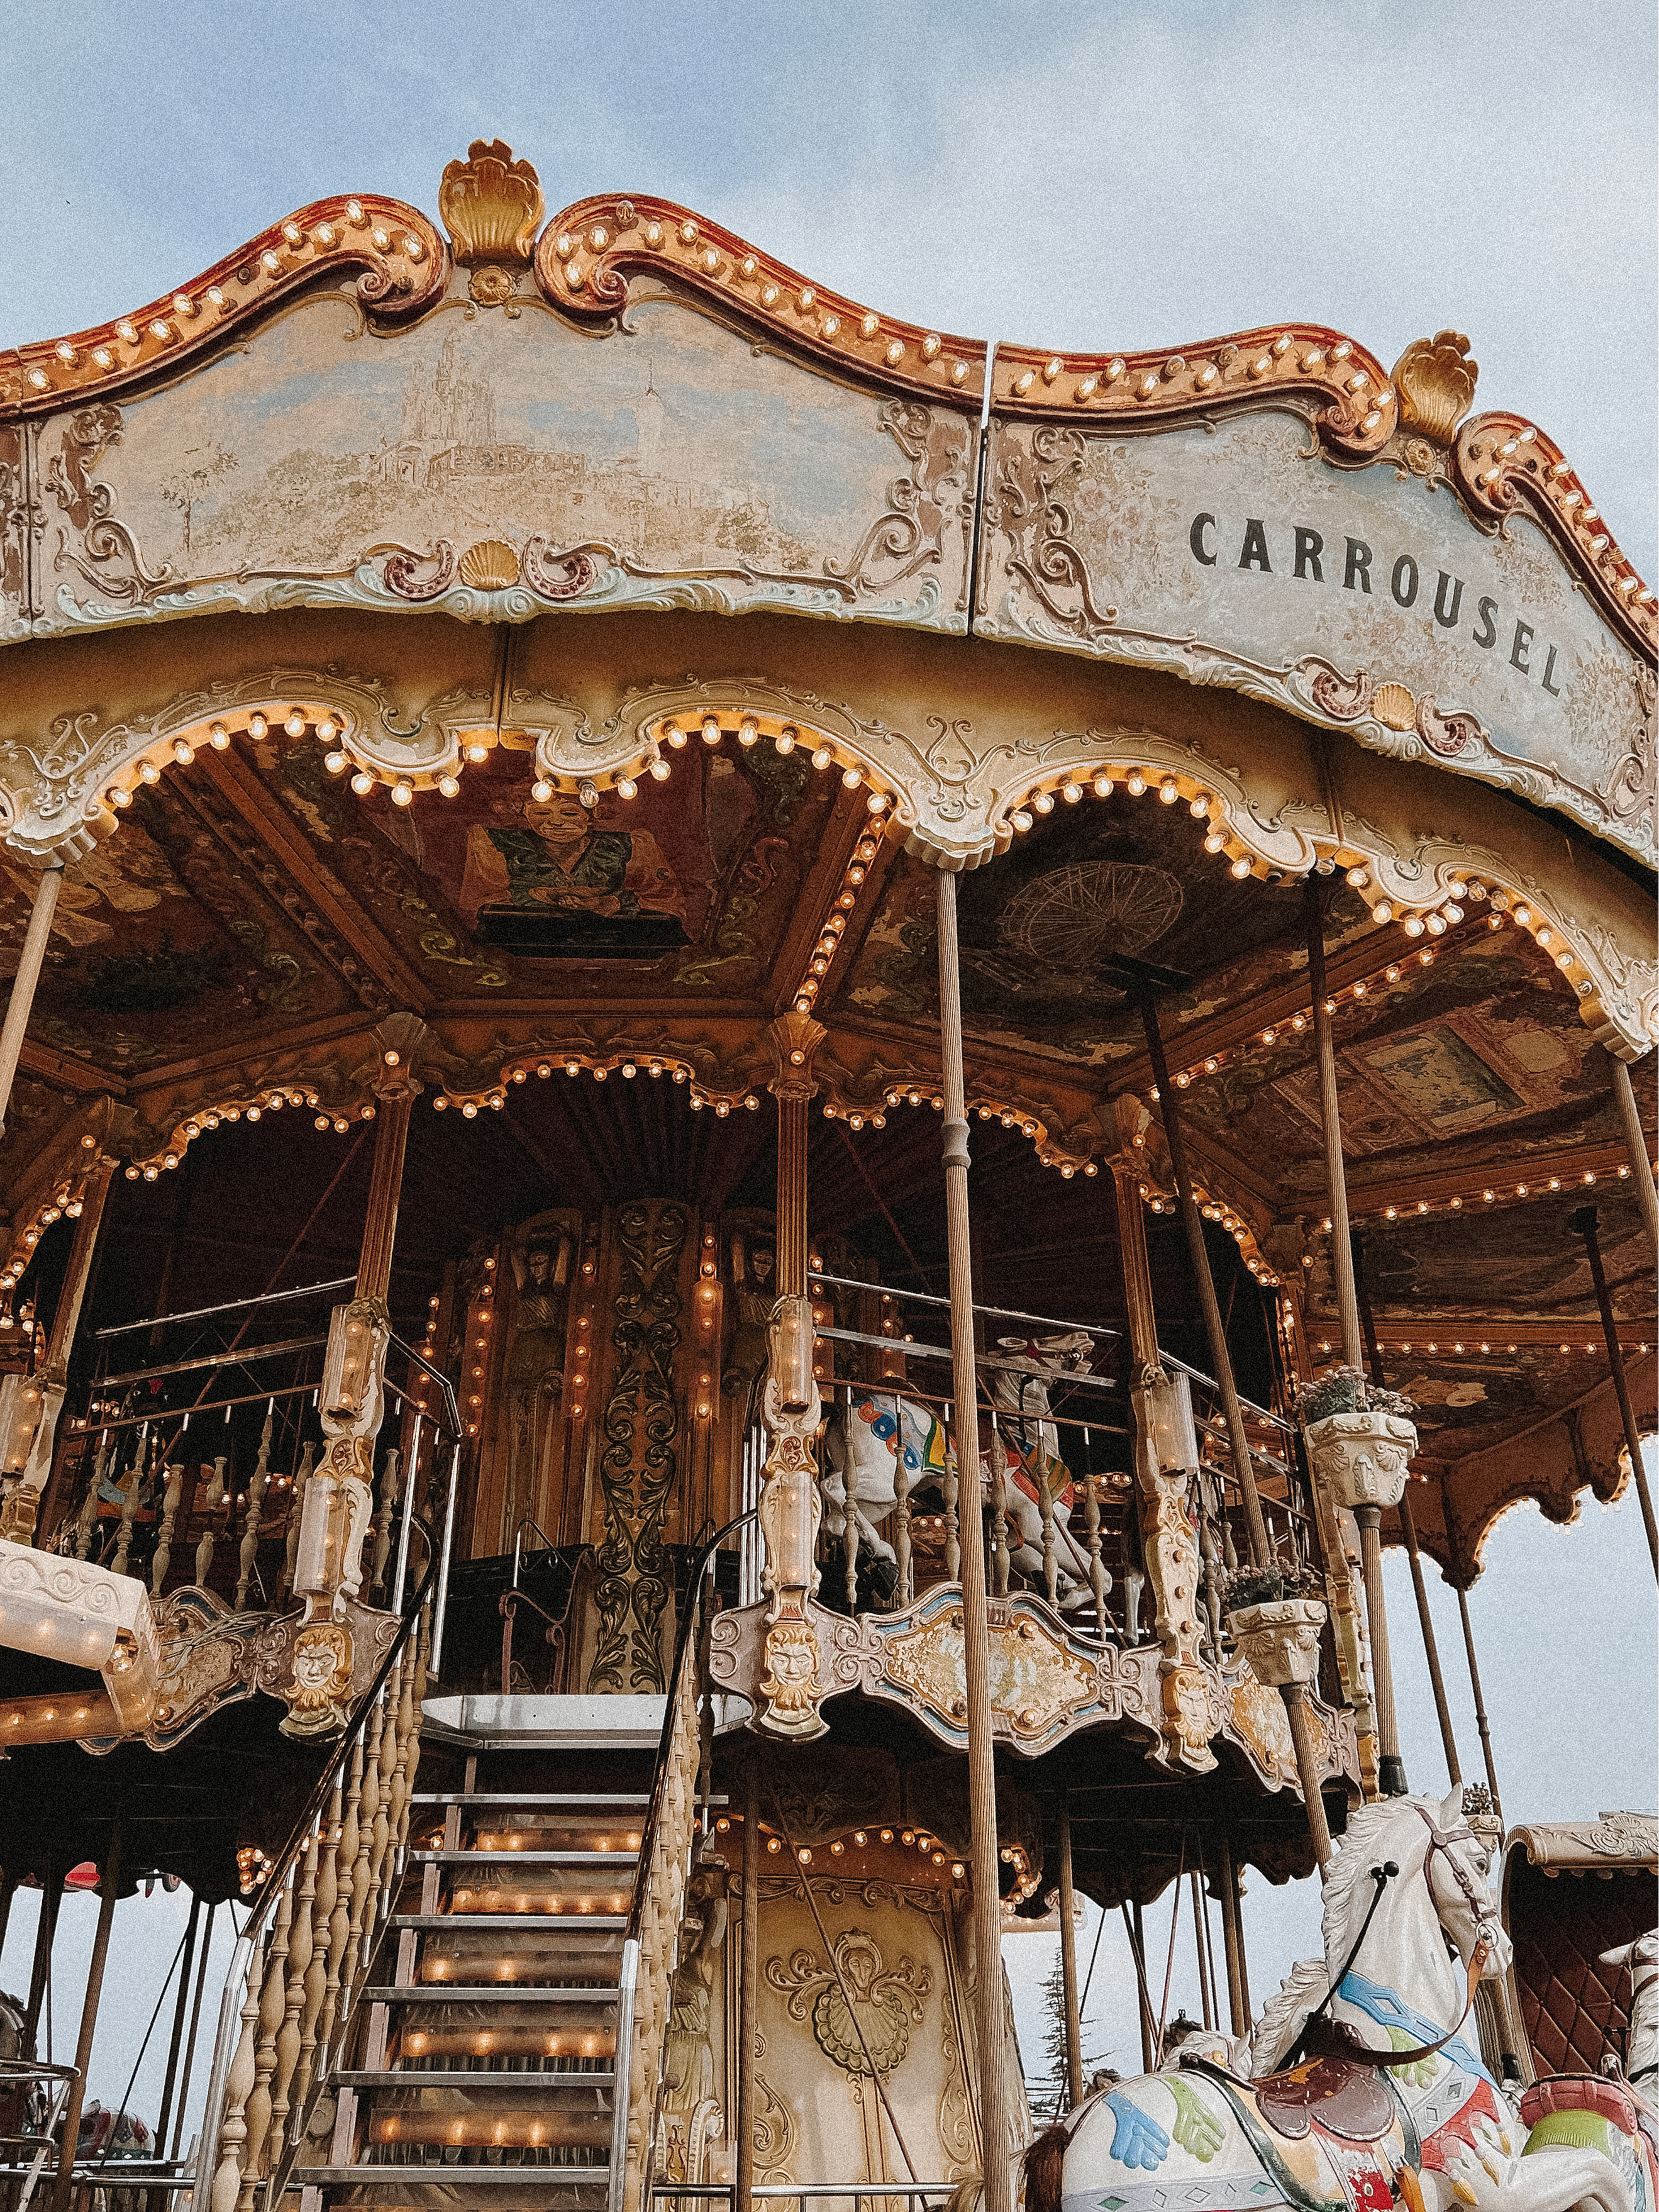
x: 1300, y: 555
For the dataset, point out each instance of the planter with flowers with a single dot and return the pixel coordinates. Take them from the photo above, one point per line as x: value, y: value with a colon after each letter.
x: 1360, y: 1438
x: 1275, y: 1614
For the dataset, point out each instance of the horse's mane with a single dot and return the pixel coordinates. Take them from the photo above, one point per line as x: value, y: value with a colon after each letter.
x: 1369, y: 1831
x: 1282, y: 2019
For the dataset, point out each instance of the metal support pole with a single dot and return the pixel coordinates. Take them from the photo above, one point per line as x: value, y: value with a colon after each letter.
x: 22, y: 1001
x: 1584, y: 1221
x: 46, y: 1934
x: 190, y: 2041
x: 1391, y: 1772
x: 1206, y: 1994
x: 1408, y: 1526
x: 1068, y: 1960
x: 1307, y: 1767
x: 191, y: 1932
x: 1134, y: 1921
x: 1221, y: 1358
x: 976, y: 1653
x: 1330, y: 1115
x: 1480, y: 1721
x: 65, y: 2185
x: 1636, y: 1144
x: 1232, y: 1930
x: 748, y: 1990
x: 441, y: 1604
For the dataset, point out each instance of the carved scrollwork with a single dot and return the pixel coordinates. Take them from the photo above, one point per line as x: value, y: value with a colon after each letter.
x: 402, y: 572
x: 1036, y: 519
x: 558, y: 576
x: 921, y: 506
x: 1448, y: 735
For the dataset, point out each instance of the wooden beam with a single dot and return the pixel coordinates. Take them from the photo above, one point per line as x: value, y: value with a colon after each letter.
x: 284, y: 839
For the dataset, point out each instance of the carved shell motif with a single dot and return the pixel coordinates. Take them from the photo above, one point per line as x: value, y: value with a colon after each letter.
x: 492, y: 206
x: 1436, y: 379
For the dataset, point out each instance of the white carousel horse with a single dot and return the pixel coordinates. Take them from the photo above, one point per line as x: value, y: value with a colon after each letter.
x: 867, y: 1443
x: 1642, y: 2037
x: 1427, y: 2127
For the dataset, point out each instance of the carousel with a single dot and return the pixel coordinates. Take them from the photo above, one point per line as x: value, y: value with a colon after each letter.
x: 915, y: 1035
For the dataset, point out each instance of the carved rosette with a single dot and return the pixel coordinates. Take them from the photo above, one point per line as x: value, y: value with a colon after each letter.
x: 1363, y: 1457
x: 1279, y: 1639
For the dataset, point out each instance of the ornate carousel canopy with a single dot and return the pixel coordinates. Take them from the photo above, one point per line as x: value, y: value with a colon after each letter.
x: 366, y: 679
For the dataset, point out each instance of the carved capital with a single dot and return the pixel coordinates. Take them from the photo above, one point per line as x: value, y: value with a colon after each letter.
x: 794, y: 1038
x: 399, y: 1039
x: 1279, y: 1639
x: 1363, y: 1456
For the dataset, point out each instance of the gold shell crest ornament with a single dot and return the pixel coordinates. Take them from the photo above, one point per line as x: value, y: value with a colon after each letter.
x: 491, y: 205
x: 1436, y: 379
x: 489, y: 566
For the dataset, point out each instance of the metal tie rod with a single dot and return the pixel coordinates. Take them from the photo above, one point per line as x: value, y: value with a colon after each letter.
x: 908, y: 1348
x: 231, y: 1305
x: 995, y: 1313
x: 239, y: 1359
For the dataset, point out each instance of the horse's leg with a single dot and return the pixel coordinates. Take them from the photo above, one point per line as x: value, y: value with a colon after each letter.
x: 1558, y: 2178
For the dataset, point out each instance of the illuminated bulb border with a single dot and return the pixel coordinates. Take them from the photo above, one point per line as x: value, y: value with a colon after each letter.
x: 568, y: 1060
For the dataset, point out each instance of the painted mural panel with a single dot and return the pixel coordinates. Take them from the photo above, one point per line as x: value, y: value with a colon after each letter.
x: 1233, y: 552
x: 691, y: 883
x: 493, y: 462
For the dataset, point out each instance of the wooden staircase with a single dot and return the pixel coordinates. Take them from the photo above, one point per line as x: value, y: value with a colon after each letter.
x: 484, y: 2068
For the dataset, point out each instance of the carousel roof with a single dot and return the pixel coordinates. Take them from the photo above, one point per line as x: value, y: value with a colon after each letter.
x: 450, y: 742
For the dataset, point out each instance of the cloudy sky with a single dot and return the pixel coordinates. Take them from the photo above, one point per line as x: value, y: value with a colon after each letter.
x: 1106, y: 175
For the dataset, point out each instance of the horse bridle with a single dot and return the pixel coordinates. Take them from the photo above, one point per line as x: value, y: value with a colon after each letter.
x: 1441, y: 1840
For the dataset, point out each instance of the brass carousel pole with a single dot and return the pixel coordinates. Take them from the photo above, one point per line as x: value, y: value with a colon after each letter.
x: 1068, y: 1958
x: 1584, y: 1221
x: 64, y: 2190
x: 1391, y: 1770
x: 1232, y: 1935
x: 748, y: 1990
x: 385, y: 1188
x: 29, y: 962
x: 1408, y: 1529
x: 977, y: 1653
x: 1636, y: 1144
x: 1307, y: 1763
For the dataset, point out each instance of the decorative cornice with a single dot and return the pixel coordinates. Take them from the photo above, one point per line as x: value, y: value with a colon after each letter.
x: 1503, y: 464
x: 1357, y: 406
x: 401, y: 254
x: 586, y: 256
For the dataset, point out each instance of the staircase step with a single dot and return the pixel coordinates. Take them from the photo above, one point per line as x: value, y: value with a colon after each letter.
x: 609, y: 1860
x: 547, y: 2077
x: 472, y: 1921
x: 447, y: 1992
x: 530, y: 1800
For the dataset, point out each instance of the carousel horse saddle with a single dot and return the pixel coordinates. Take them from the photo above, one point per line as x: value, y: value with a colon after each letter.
x: 1345, y: 2094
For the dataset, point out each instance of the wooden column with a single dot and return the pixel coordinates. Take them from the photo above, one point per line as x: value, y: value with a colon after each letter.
x: 1391, y: 1772
x: 795, y: 1038
x: 106, y: 1890
x: 1068, y: 1960
x: 1584, y: 1221
x: 748, y: 1990
x: 385, y: 1188
x: 20, y: 1004
x: 976, y: 1654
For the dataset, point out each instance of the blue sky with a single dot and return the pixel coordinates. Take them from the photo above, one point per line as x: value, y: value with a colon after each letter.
x: 1097, y: 176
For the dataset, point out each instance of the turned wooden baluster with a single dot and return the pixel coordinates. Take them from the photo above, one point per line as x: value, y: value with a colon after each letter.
x: 239, y: 2087
x: 210, y: 1504
x: 387, y: 1766
x: 163, y: 1559
x: 1091, y: 1533
x: 301, y: 1948
x: 325, y: 1897
x: 302, y: 1476
x: 360, y: 1939
x: 339, y: 1928
x: 383, y: 1520
x: 128, y: 1507
x: 256, y: 1498
x: 952, y: 1523
x: 1044, y: 1472
x: 89, y: 1519
x: 902, y: 1516
x: 273, y: 2000
x: 397, y: 1806
x: 998, y: 1514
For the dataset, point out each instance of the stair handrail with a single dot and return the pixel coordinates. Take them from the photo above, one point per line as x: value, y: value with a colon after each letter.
x: 285, y: 2020
x: 662, y: 1889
